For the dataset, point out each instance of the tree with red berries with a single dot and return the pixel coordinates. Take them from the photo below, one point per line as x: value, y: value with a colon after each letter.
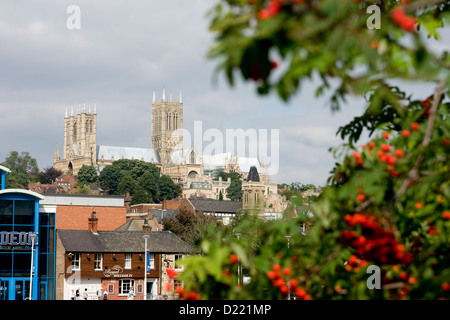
x: 386, y: 206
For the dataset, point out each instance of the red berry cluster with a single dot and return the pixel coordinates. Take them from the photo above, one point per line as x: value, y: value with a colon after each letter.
x: 187, y: 294
x: 386, y: 154
x: 426, y: 106
x: 281, y: 280
x: 374, y: 243
x: 399, y: 276
x: 172, y: 273
x: 183, y: 294
x: 446, y: 215
x: 274, y: 7
x: 355, y: 264
x: 404, y: 21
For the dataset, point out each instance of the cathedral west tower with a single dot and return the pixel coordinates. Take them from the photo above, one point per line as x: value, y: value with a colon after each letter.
x: 80, y: 141
x: 167, y: 125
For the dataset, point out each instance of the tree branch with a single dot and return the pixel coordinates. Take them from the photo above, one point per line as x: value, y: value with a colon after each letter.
x: 413, y: 175
x: 420, y: 4
x: 319, y: 266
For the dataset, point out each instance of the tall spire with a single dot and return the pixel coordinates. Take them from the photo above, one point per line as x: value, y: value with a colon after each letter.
x: 71, y: 112
x: 181, y: 99
x: 170, y: 96
x: 95, y: 108
x: 154, y: 96
x: 66, y: 113
x: 164, y: 95
x: 56, y: 156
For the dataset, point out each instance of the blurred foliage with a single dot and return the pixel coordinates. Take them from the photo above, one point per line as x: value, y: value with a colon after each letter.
x: 387, y: 200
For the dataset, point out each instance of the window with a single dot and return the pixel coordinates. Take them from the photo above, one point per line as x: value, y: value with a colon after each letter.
x: 98, y: 261
x: 127, y: 260
x: 125, y: 285
x: 151, y: 261
x: 76, y: 261
x: 177, y: 258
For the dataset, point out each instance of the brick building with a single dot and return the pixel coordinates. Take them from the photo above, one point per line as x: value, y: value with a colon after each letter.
x: 73, y: 211
x: 114, y: 261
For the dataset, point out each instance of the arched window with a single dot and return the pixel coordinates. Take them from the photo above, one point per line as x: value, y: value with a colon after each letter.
x: 192, y: 157
x: 193, y: 174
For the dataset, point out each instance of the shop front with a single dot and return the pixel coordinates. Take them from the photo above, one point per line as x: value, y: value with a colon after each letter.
x: 26, y: 247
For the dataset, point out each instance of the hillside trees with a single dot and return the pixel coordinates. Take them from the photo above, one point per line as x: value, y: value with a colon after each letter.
x: 141, y: 179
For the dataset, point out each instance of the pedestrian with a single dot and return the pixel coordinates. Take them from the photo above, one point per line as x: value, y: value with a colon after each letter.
x: 72, y: 297
x: 131, y: 294
x: 77, y: 294
x: 85, y: 294
x: 105, y: 295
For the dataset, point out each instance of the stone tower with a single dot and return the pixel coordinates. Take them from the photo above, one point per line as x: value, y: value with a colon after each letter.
x: 80, y: 141
x: 167, y: 125
x: 253, y: 192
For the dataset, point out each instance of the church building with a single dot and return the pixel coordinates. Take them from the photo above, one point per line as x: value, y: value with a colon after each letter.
x: 191, y: 169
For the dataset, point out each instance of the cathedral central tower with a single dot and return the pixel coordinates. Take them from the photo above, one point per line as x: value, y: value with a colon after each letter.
x: 167, y: 122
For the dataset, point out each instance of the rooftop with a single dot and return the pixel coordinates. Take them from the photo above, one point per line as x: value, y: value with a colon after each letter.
x: 122, y: 241
x: 217, y: 206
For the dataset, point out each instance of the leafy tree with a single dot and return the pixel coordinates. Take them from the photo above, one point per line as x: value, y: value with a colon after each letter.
x: 167, y: 188
x: 190, y: 226
x: 21, y: 163
x: 136, y: 168
x: 127, y: 184
x: 149, y: 183
x: 220, y: 196
x: 87, y: 175
x: 234, y: 191
x: 82, y: 190
x: 49, y: 175
x: 140, y: 196
x: 288, y: 193
x: 109, y: 178
x: 125, y: 167
x: 387, y: 202
x: 16, y: 180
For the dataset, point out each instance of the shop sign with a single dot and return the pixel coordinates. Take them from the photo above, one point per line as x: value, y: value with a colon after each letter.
x: 16, y: 240
x: 116, y: 272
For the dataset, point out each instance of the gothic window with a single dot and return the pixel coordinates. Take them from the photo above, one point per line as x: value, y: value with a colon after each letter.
x: 192, y: 174
x: 192, y: 157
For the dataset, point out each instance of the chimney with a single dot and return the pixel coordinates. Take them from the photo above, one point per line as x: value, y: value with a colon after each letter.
x: 146, y: 226
x: 93, y: 222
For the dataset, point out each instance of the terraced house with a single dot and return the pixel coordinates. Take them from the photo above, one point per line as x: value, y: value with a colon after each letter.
x: 115, y: 261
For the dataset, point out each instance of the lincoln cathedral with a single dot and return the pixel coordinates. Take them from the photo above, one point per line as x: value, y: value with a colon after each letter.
x: 192, y: 170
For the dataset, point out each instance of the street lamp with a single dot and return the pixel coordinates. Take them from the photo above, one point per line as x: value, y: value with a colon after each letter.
x: 289, y: 283
x: 146, y: 236
x: 33, y: 237
x: 238, y: 235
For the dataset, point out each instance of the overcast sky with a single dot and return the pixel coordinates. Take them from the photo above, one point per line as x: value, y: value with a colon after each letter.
x: 123, y: 52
